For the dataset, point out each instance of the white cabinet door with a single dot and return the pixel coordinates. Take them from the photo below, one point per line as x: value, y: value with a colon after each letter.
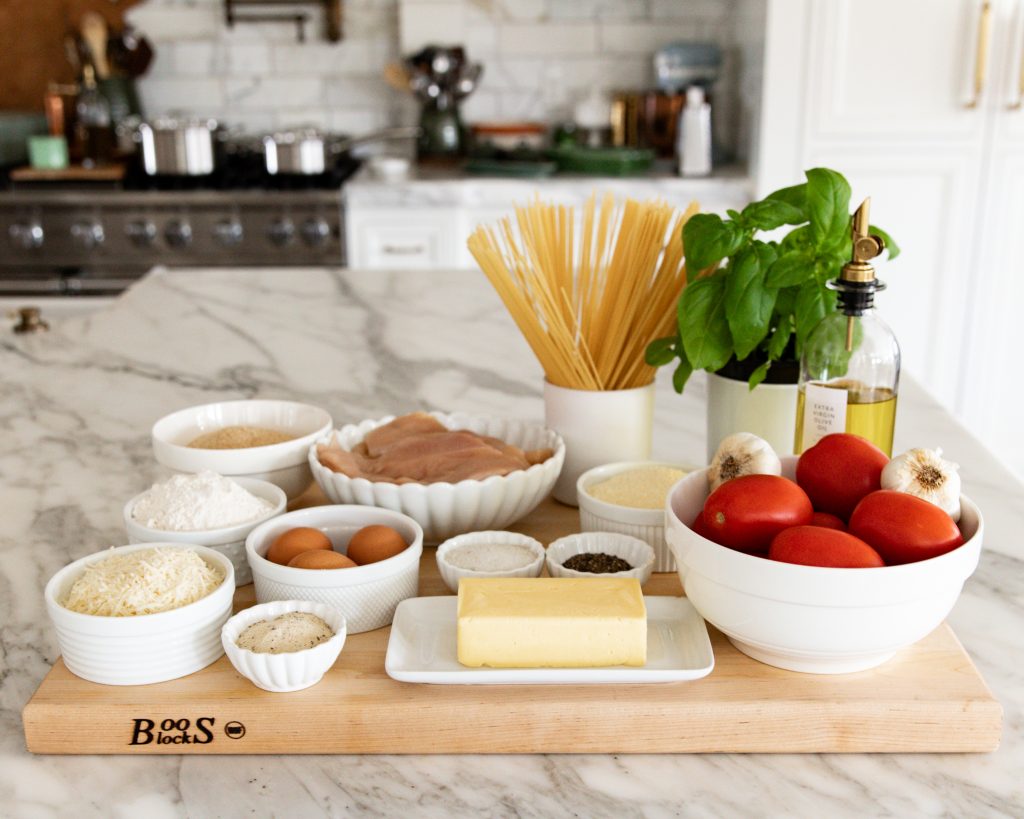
x: 401, y: 239
x: 896, y: 71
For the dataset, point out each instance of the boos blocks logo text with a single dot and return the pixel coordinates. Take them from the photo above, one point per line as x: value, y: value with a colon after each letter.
x: 181, y: 731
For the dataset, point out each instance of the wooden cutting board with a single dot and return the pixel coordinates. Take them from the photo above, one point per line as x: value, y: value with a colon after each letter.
x: 930, y: 697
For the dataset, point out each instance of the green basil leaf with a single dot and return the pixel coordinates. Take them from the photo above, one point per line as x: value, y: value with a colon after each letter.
x: 682, y: 373
x: 702, y: 323
x: 759, y: 375
x: 797, y: 239
x: 828, y: 206
x: 795, y: 195
x: 707, y: 239
x: 785, y: 303
x: 810, y: 308
x: 779, y: 339
x: 660, y: 351
x: 767, y: 253
x: 748, y: 303
x: 735, y: 215
x: 769, y: 214
x: 890, y: 243
x: 790, y: 269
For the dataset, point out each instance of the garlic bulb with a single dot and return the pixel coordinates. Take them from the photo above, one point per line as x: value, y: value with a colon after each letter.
x: 925, y: 474
x: 742, y: 453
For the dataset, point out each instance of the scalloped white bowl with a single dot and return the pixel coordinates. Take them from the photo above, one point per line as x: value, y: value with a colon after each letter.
x: 810, y: 618
x: 448, y: 509
x: 637, y: 553
x: 451, y: 574
x: 291, y: 671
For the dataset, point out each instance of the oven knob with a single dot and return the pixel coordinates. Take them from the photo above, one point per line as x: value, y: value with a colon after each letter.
x: 178, y: 233
x: 315, y: 232
x: 26, y: 235
x: 228, y: 232
x: 281, y: 232
x: 88, y: 234
x: 142, y: 233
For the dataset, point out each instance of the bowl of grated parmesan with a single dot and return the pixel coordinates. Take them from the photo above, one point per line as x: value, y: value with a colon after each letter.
x: 140, y: 614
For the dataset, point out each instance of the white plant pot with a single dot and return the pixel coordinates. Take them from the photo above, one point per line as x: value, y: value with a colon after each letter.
x: 769, y: 411
x: 598, y: 427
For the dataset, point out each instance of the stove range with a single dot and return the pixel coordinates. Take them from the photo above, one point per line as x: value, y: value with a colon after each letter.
x: 60, y: 239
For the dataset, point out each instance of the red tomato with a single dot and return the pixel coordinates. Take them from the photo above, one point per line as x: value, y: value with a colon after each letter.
x: 827, y: 521
x: 747, y: 512
x: 838, y: 471
x: 818, y: 546
x: 902, y: 528
x: 699, y: 528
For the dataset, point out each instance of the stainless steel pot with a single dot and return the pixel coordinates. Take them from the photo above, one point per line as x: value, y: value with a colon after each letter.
x: 308, y: 151
x: 178, y: 147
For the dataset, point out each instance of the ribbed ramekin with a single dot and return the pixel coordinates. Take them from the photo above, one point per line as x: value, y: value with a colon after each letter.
x: 149, y: 648
x: 452, y: 574
x: 448, y: 509
x: 293, y: 670
x: 638, y: 554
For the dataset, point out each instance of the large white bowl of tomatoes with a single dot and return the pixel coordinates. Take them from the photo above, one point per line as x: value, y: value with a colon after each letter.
x: 885, y: 579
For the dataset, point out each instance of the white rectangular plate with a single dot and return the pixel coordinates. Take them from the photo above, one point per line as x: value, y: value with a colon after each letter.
x: 422, y: 649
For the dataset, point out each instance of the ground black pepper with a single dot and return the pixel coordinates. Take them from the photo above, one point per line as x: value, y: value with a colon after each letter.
x: 597, y: 563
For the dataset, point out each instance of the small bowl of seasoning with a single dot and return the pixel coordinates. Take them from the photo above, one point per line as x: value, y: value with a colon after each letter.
x: 600, y: 554
x: 629, y: 498
x: 286, y: 645
x: 257, y: 438
x: 489, y: 554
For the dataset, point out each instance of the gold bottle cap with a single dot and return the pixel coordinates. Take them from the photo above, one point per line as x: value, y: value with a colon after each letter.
x: 865, y: 247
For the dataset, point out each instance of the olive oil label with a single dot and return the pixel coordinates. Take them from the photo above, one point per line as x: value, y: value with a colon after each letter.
x: 824, y: 413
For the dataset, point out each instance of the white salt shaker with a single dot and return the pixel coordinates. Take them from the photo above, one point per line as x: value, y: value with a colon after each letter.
x: 693, y: 141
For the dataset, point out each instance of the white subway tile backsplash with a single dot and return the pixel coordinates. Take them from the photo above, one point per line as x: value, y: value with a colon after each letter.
x: 197, y: 58
x: 439, y: 22
x: 245, y: 59
x: 532, y: 11
x: 198, y: 95
x: 356, y: 92
x: 273, y: 93
x: 638, y: 38
x: 600, y: 9
x: 355, y: 121
x: 555, y: 39
x: 163, y: 22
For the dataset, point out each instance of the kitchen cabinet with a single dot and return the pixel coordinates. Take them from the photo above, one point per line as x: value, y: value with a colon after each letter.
x: 915, y: 102
x: 401, y: 239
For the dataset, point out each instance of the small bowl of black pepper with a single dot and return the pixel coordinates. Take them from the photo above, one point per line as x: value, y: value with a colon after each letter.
x: 600, y: 554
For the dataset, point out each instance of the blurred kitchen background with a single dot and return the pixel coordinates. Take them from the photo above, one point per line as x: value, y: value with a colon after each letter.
x: 377, y: 133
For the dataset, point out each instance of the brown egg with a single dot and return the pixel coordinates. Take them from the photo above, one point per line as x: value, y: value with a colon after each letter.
x: 373, y: 543
x: 320, y: 559
x: 295, y: 541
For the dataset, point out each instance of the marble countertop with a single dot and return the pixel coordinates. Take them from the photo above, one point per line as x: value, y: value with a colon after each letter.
x: 76, y: 408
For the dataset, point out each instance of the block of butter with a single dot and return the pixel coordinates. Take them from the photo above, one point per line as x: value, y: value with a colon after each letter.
x: 551, y: 622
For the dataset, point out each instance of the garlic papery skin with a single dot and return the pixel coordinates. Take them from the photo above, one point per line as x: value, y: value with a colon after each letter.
x: 742, y: 453
x: 925, y: 474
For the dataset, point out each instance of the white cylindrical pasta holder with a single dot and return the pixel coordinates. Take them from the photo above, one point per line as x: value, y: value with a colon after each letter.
x: 769, y: 411
x: 598, y: 426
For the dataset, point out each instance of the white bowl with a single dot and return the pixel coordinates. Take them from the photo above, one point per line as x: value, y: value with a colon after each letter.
x: 389, y: 168
x: 294, y: 670
x: 634, y: 551
x: 809, y: 618
x: 149, y: 648
x: 366, y: 595
x: 448, y: 509
x: 284, y: 464
x: 451, y: 574
x: 646, y: 524
x: 229, y: 541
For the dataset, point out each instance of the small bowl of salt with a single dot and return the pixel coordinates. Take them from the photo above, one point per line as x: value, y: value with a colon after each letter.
x: 489, y: 554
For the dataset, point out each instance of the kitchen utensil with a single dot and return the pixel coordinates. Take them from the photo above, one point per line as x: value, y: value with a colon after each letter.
x: 48, y: 152
x: 284, y: 464
x: 366, y: 595
x: 808, y: 618
x: 95, y: 34
x: 422, y: 649
x: 636, y: 552
x: 309, y: 151
x: 288, y: 671
x: 146, y: 649
x: 451, y: 574
x: 129, y: 53
x: 397, y: 76
x: 444, y: 509
x: 175, y: 146
x: 229, y: 540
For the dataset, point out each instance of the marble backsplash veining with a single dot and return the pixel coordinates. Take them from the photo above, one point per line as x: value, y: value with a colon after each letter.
x: 76, y: 405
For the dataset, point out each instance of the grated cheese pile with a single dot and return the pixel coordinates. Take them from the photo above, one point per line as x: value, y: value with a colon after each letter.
x: 642, y: 488
x: 146, y: 581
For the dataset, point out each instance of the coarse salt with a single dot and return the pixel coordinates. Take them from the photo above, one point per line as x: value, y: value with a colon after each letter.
x: 490, y: 557
x: 194, y: 503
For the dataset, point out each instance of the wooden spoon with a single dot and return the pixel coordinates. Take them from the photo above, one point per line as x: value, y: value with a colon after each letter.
x: 94, y: 32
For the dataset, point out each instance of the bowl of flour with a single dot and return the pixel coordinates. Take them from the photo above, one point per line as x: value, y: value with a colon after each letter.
x: 204, y: 509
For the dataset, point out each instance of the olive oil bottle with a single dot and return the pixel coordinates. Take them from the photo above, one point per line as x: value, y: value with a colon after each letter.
x: 850, y: 366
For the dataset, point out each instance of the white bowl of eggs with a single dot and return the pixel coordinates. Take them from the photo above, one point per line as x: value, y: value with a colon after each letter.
x: 361, y: 560
x: 264, y: 439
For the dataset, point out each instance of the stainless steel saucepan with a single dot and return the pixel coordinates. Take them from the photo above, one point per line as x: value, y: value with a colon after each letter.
x: 176, y: 146
x: 309, y: 151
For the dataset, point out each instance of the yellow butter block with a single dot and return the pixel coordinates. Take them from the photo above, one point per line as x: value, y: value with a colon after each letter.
x: 551, y: 622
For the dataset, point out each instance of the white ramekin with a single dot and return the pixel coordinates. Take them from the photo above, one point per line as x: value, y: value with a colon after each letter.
x: 448, y: 509
x: 366, y: 595
x: 634, y: 551
x: 811, y: 618
x: 646, y: 524
x: 229, y: 541
x: 284, y: 464
x: 149, y: 648
x: 294, y: 670
x: 451, y: 574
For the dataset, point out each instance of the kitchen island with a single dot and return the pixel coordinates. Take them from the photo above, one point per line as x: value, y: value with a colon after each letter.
x: 77, y: 405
